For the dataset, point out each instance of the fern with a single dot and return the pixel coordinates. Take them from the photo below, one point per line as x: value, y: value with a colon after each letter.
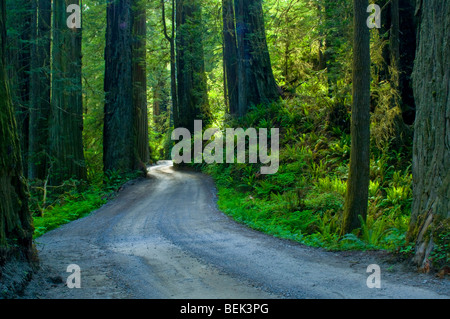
x: 372, y: 231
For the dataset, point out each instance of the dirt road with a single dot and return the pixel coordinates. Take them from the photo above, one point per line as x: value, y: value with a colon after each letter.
x: 163, y: 237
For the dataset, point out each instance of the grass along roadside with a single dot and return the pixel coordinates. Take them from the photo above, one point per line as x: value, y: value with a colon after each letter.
x: 72, y: 201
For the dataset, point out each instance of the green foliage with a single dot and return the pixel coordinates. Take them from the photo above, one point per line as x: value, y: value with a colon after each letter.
x: 440, y: 256
x: 70, y: 202
x: 310, y: 49
x: 325, y: 203
x: 304, y: 200
x: 93, y: 68
x: 332, y: 184
x: 70, y: 208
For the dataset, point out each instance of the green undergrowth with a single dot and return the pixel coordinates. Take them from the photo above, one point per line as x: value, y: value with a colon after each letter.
x: 304, y: 200
x: 53, y: 207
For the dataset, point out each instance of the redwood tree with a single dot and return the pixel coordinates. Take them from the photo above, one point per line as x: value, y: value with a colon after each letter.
x: 119, y: 119
x: 191, y: 77
x: 430, y: 214
x: 19, y: 28
x: 139, y: 72
x: 125, y: 132
x: 16, y: 229
x: 38, y: 148
x: 256, y: 83
x: 230, y: 57
x: 66, y: 124
x: 356, y: 199
x: 173, y: 69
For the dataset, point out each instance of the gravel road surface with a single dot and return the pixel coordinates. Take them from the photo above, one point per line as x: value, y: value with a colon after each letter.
x: 164, y: 238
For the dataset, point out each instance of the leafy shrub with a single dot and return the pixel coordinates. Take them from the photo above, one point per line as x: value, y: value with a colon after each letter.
x: 75, y: 202
x: 73, y: 208
x: 305, y: 199
x: 374, y: 188
x: 440, y: 256
x: 332, y: 184
x: 301, y: 221
x: 325, y: 202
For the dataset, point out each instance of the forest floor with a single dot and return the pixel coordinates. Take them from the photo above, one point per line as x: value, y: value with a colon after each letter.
x: 164, y: 238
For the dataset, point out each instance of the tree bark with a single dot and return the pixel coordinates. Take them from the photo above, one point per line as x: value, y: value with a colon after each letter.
x: 356, y: 200
x: 191, y: 77
x: 66, y: 124
x: 119, y: 111
x: 256, y: 82
x: 140, y: 82
x: 230, y: 57
x: 40, y: 91
x: 173, y: 67
x: 16, y: 228
x: 431, y: 154
x: 19, y: 39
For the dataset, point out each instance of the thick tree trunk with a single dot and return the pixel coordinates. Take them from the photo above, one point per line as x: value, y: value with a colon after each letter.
x: 230, y: 57
x: 119, y: 111
x: 16, y: 229
x: 356, y: 199
x: 140, y: 82
x: 66, y: 125
x: 40, y: 91
x: 191, y: 77
x: 256, y: 82
x: 431, y: 156
x: 125, y: 130
x: 19, y: 31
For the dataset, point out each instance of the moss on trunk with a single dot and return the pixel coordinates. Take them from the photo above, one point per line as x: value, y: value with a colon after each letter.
x: 431, y: 154
x: 16, y: 229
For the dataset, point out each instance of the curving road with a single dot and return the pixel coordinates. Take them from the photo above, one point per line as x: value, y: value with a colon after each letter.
x: 163, y: 237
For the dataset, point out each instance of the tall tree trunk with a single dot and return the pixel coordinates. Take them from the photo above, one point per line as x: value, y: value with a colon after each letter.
x: 173, y: 67
x: 140, y: 82
x: 191, y: 77
x: 256, y: 82
x: 230, y: 57
x: 356, y: 200
x: 119, y: 111
x: 431, y: 155
x: 19, y: 30
x: 400, y: 130
x: 16, y: 229
x: 66, y: 124
x: 40, y: 91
